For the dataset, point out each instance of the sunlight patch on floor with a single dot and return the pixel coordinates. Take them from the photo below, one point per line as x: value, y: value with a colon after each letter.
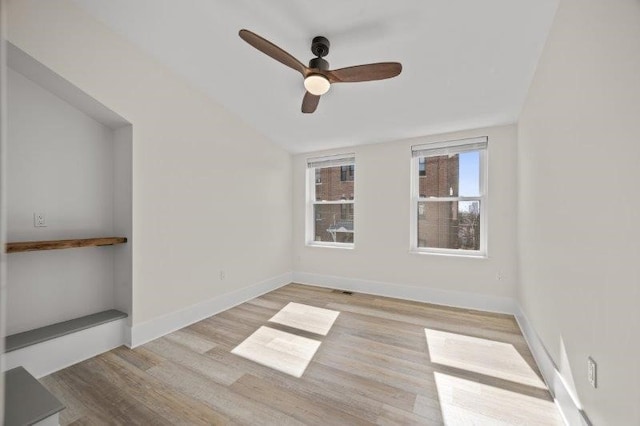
x: 483, y: 356
x: 307, y: 318
x: 279, y: 350
x: 464, y: 402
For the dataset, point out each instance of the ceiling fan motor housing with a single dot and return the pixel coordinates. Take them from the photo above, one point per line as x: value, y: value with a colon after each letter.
x: 320, y: 46
x: 319, y: 63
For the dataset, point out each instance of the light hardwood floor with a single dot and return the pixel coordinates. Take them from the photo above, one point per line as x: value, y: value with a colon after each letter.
x: 383, y: 361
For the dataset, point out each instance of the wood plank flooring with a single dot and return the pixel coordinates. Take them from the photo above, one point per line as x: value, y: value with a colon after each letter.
x: 384, y: 361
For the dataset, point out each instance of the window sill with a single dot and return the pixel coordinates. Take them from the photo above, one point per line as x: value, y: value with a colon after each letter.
x: 343, y: 246
x: 450, y: 254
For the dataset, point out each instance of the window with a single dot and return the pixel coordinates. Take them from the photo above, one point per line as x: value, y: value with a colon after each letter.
x: 346, y: 173
x: 346, y: 212
x: 330, y: 201
x: 449, y: 197
x: 422, y: 166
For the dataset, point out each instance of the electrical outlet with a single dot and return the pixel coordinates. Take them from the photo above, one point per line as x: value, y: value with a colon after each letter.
x: 39, y: 220
x: 592, y: 372
x: 223, y: 275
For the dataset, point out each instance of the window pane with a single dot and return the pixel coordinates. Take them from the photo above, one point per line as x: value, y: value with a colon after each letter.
x: 450, y: 176
x: 333, y: 223
x: 469, y: 181
x: 334, y: 183
x: 449, y: 224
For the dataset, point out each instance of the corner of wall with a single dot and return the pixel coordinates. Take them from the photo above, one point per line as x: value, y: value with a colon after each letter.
x: 563, y: 394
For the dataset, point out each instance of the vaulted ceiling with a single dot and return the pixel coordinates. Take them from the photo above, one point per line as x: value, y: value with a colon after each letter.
x: 466, y: 63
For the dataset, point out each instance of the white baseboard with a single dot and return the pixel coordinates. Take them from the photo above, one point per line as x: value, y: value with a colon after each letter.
x: 47, y: 357
x: 564, y: 396
x: 53, y: 355
x: 456, y: 299
x: 149, y: 330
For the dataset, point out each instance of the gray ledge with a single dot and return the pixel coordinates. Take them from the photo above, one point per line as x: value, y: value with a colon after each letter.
x: 42, y: 334
x: 26, y: 401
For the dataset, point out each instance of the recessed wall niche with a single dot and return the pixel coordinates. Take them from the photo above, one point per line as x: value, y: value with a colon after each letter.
x: 69, y: 165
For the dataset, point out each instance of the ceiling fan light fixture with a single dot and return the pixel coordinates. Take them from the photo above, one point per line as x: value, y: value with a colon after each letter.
x: 317, y: 76
x: 316, y: 84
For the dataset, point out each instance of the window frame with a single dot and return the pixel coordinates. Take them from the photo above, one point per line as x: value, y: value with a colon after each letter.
x: 310, y: 195
x: 483, y: 197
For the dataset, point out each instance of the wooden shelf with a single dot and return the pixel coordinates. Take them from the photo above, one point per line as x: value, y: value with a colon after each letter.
x: 63, y: 244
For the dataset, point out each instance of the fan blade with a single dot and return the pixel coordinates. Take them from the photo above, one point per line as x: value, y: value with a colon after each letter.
x: 369, y: 72
x: 270, y: 49
x: 310, y: 103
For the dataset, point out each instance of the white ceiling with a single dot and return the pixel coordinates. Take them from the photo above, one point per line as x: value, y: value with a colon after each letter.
x: 466, y: 63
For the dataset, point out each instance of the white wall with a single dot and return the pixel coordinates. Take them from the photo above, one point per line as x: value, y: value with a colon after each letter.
x: 61, y: 163
x: 122, y: 219
x: 209, y: 193
x: 578, y: 179
x: 381, y: 253
x: 3, y: 216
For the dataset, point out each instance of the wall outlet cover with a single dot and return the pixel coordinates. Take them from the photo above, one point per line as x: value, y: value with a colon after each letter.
x: 39, y: 219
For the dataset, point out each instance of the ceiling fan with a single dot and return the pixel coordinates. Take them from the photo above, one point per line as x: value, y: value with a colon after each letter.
x: 317, y: 76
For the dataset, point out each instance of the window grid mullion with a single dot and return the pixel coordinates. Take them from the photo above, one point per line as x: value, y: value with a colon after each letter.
x: 441, y: 199
x: 328, y: 203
